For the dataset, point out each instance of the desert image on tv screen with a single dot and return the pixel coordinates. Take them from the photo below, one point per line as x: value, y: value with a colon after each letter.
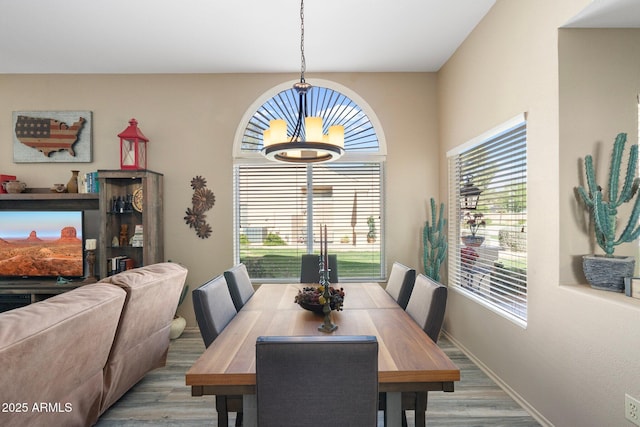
x: 41, y: 244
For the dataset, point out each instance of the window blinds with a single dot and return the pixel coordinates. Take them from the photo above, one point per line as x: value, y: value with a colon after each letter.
x: 280, y: 208
x: 495, y: 272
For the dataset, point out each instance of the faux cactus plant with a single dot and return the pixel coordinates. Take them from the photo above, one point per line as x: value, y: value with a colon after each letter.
x: 434, y: 243
x: 604, y: 209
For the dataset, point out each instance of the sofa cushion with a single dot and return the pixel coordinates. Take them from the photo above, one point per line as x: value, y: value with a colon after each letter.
x: 142, y: 338
x: 55, y: 351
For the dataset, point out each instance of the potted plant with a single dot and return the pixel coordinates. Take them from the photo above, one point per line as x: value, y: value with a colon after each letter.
x: 474, y: 221
x: 607, y: 271
x: 178, y: 323
x: 371, y: 235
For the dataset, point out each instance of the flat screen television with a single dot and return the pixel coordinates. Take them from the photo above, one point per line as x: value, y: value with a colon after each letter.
x: 41, y: 244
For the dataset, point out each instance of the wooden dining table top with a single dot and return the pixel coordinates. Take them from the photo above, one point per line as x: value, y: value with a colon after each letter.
x: 408, y: 360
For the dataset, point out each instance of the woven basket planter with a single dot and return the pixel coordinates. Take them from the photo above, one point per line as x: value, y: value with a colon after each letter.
x: 608, y: 273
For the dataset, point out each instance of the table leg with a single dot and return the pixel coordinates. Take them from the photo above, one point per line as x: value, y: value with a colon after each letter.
x: 223, y: 413
x: 393, y: 412
x: 250, y: 410
x: 421, y: 409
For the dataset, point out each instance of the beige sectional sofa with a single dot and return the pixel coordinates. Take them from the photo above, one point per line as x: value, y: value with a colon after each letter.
x: 67, y: 359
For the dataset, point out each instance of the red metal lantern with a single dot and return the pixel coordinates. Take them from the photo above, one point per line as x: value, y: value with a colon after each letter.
x: 133, y: 147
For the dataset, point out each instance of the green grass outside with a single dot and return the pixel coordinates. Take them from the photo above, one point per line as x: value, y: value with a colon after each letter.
x: 267, y: 263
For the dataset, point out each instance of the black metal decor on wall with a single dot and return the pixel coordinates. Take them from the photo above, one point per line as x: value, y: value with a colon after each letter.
x: 202, y: 200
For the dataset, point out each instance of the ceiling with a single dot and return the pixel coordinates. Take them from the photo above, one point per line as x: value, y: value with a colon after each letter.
x: 249, y: 36
x: 608, y: 14
x: 227, y: 36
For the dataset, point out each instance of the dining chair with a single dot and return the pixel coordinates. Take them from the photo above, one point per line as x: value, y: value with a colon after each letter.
x: 239, y: 284
x: 310, y: 271
x: 426, y: 306
x: 214, y: 310
x: 305, y: 381
x: 400, y: 283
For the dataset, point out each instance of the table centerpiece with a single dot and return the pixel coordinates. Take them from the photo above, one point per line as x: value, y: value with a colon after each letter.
x: 323, y: 298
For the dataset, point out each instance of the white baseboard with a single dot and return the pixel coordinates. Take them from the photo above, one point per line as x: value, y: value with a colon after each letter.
x: 503, y: 385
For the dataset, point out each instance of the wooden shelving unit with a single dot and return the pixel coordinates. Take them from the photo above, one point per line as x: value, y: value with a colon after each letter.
x: 123, y: 186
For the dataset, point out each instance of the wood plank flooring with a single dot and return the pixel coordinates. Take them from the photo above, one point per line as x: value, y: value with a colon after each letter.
x: 163, y: 399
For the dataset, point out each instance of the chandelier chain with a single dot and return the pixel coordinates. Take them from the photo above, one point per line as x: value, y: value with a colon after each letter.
x: 303, y: 62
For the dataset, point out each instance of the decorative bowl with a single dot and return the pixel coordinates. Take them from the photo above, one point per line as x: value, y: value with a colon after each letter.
x: 316, y: 308
x: 308, y: 297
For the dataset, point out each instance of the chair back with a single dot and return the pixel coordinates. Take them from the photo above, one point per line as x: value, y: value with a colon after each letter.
x: 400, y: 283
x: 239, y: 284
x: 213, y: 307
x: 427, y: 304
x: 317, y: 380
x: 310, y: 272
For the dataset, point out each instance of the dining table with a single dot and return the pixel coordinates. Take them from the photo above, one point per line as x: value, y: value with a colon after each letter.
x: 408, y: 360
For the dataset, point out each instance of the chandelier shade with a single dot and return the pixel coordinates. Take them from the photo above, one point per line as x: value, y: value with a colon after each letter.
x: 316, y: 148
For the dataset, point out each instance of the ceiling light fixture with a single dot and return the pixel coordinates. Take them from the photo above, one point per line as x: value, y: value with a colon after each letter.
x: 307, y: 143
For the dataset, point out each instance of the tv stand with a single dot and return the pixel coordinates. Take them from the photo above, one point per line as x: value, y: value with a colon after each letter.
x: 24, y: 292
x: 16, y: 293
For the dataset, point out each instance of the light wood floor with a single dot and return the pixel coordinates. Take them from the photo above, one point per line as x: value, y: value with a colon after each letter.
x: 162, y: 399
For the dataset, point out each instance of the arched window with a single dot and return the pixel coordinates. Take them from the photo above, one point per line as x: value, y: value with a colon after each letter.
x: 279, y: 208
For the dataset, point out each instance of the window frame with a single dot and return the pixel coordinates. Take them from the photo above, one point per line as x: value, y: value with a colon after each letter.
x: 247, y: 158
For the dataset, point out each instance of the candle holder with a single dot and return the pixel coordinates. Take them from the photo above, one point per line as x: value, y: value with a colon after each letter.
x: 327, y: 325
x: 91, y: 260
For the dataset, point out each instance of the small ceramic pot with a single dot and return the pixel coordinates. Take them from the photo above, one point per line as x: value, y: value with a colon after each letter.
x: 14, y: 186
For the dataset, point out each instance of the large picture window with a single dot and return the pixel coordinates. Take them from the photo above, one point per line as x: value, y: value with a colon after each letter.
x: 488, y: 219
x: 280, y: 209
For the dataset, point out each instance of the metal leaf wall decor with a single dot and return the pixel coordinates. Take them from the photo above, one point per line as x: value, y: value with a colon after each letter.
x: 202, y: 200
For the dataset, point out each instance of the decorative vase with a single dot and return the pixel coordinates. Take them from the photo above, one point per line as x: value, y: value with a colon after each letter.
x: 608, y: 273
x: 471, y: 240
x: 177, y: 327
x: 72, y: 185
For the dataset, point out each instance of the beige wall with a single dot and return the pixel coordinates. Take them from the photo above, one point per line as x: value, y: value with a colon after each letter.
x: 577, y: 356
x: 599, y: 87
x: 191, y: 121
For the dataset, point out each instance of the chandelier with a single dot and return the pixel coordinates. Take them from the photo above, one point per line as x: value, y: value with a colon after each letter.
x: 307, y: 143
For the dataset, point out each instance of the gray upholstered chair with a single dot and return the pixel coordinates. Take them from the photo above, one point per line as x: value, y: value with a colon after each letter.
x: 239, y: 284
x: 426, y: 306
x: 214, y: 310
x: 310, y: 272
x: 400, y: 283
x: 317, y: 380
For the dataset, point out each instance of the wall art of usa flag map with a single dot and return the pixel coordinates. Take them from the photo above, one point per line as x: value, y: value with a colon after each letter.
x: 51, y: 136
